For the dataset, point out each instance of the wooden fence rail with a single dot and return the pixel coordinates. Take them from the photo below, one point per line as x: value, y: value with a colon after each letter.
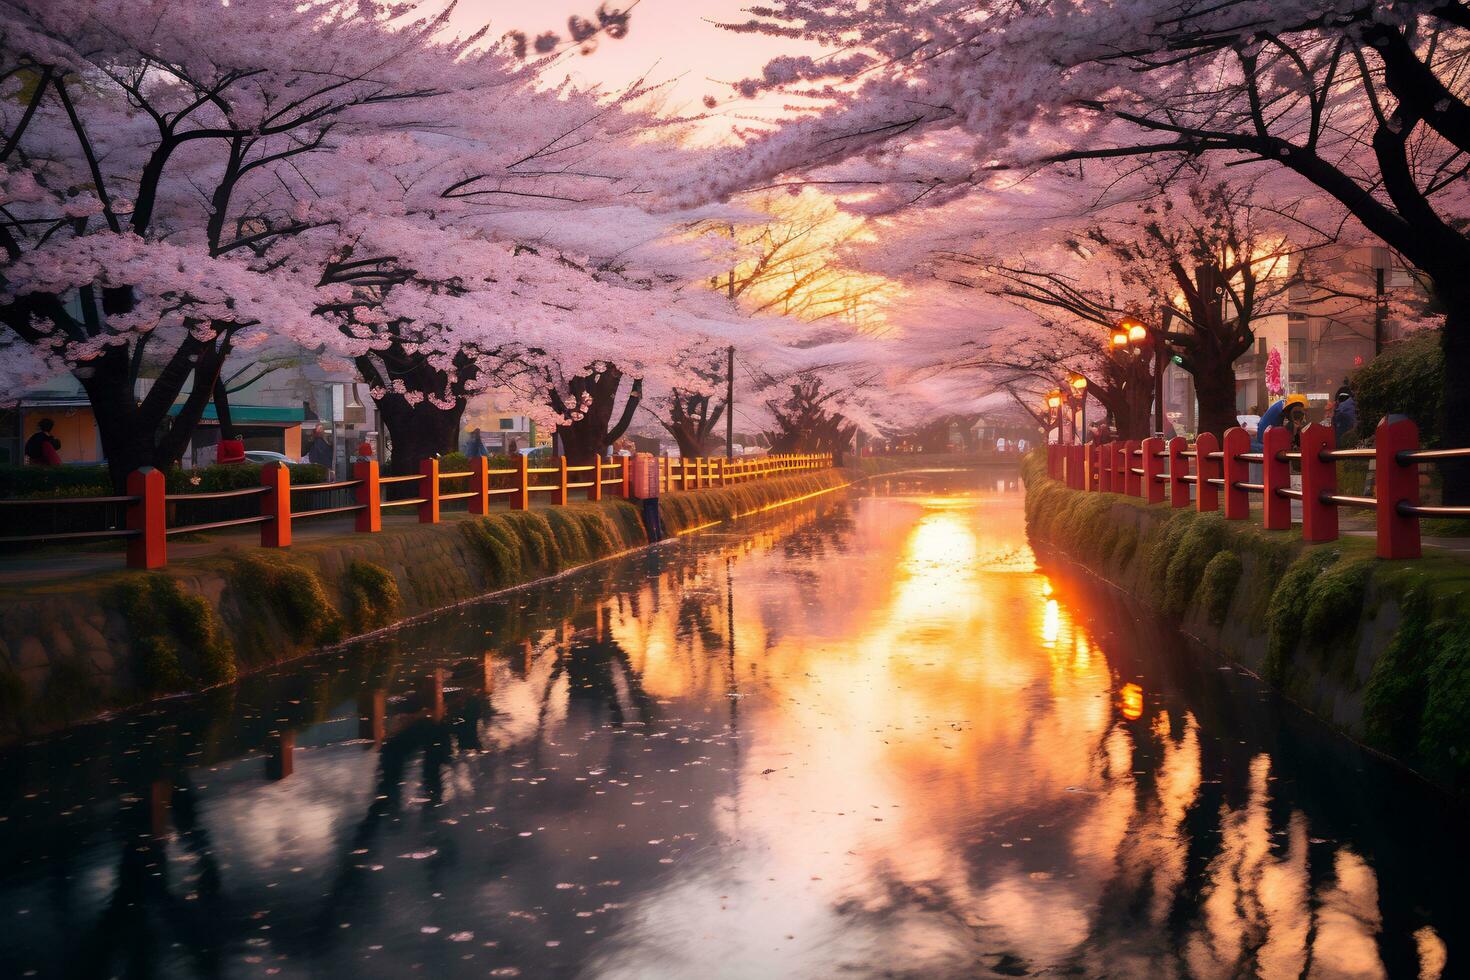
x: 146, y: 503
x: 1215, y: 475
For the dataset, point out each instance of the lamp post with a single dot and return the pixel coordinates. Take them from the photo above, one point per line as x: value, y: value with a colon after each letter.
x: 1078, y: 385
x: 1133, y: 333
x: 1054, y: 402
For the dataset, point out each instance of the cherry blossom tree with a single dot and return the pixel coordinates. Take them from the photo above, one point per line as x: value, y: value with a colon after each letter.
x: 135, y: 144
x: 1358, y: 99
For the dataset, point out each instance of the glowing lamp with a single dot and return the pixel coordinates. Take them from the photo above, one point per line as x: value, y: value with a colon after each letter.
x: 1054, y: 399
x: 1120, y: 338
x: 1078, y: 383
x: 1137, y: 333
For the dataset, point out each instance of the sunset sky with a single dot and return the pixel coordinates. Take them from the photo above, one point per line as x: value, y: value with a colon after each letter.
x: 669, y: 40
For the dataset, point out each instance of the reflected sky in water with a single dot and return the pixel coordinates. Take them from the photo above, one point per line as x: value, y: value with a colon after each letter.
x: 863, y: 736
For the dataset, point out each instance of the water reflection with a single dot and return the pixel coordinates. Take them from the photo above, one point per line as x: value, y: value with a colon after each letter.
x: 866, y: 738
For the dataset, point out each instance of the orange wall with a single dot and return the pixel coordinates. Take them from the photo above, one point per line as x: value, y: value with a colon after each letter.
x: 75, y: 427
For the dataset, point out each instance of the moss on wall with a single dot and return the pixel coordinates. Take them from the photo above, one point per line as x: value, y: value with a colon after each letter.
x: 288, y: 598
x: 1307, y: 617
x: 177, y: 641
x: 1218, y: 583
x: 373, y: 600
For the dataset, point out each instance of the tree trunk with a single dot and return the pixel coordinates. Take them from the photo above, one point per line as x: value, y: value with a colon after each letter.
x: 1454, y: 425
x: 1214, y: 386
x: 133, y: 434
x: 127, y: 443
x: 222, y: 409
x: 418, y: 432
x: 584, y: 439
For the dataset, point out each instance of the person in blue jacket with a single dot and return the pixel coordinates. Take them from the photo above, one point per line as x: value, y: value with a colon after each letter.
x: 1290, y: 411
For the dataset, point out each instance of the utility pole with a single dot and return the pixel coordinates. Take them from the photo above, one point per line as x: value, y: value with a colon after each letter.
x: 730, y: 370
x: 1378, y: 309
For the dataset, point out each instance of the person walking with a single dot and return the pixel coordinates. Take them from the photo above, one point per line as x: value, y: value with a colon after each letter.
x: 476, y: 448
x: 319, y: 450
x: 1344, y: 416
x: 42, y: 448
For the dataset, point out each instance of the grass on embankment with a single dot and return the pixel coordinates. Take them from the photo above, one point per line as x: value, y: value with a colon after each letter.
x: 1379, y: 648
x: 75, y: 648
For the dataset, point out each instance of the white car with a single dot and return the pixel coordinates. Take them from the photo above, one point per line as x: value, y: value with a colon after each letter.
x: 266, y: 456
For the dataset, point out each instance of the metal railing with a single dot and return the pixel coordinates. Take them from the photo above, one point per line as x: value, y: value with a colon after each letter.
x: 1214, y: 475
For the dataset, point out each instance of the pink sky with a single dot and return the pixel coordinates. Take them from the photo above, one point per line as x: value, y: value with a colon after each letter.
x: 670, y: 40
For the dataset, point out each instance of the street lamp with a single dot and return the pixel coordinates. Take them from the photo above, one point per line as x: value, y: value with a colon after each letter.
x: 1054, y: 403
x: 1079, y: 387
x: 1134, y: 333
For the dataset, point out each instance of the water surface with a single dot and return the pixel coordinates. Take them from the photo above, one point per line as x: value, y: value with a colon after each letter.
x: 863, y: 736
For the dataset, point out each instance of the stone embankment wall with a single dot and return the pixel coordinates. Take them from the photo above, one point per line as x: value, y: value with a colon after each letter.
x: 1379, y: 649
x: 73, y: 648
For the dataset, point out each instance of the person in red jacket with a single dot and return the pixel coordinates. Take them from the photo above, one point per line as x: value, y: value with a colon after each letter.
x: 42, y: 448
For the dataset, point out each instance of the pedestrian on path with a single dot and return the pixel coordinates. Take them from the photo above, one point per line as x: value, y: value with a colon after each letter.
x: 319, y: 450
x: 1344, y: 416
x: 476, y: 448
x: 42, y: 448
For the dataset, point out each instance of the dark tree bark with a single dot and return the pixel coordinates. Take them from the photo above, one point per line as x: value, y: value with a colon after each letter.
x: 588, y: 411
x: 804, y: 426
x: 222, y: 409
x: 142, y: 433
x: 419, y: 431
x: 691, y: 422
x: 1454, y: 424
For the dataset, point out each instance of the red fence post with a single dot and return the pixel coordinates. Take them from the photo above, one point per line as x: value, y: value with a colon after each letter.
x: 1120, y: 482
x: 1276, y: 509
x: 724, y: 472
x: 1398, y: 483
x: 275, y: 506
x: 1153, y: 470
x: 1236, y: 470
x: 1105, y: 467
x: 561, y: 481
x: 594, y: 492
x: 429, y: 491
x: 148, y: 515
x: 1078, y: 464
x: 1319, y: 476
x: 627, y: 485
x: 368, y: 494
x: 520, y: 497
x: 1132, y: 482
x: 1206, y: 468
x: 480, y: 485
x: 1178, y: 470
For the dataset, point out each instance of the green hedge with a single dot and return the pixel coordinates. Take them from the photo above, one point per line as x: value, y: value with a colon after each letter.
x: 1406, y: 379
x: 41, y: 482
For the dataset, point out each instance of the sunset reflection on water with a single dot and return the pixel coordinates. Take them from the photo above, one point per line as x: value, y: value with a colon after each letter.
x: 865, y: 737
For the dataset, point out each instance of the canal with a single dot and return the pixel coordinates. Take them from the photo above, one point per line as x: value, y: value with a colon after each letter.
x: 860, y: 736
